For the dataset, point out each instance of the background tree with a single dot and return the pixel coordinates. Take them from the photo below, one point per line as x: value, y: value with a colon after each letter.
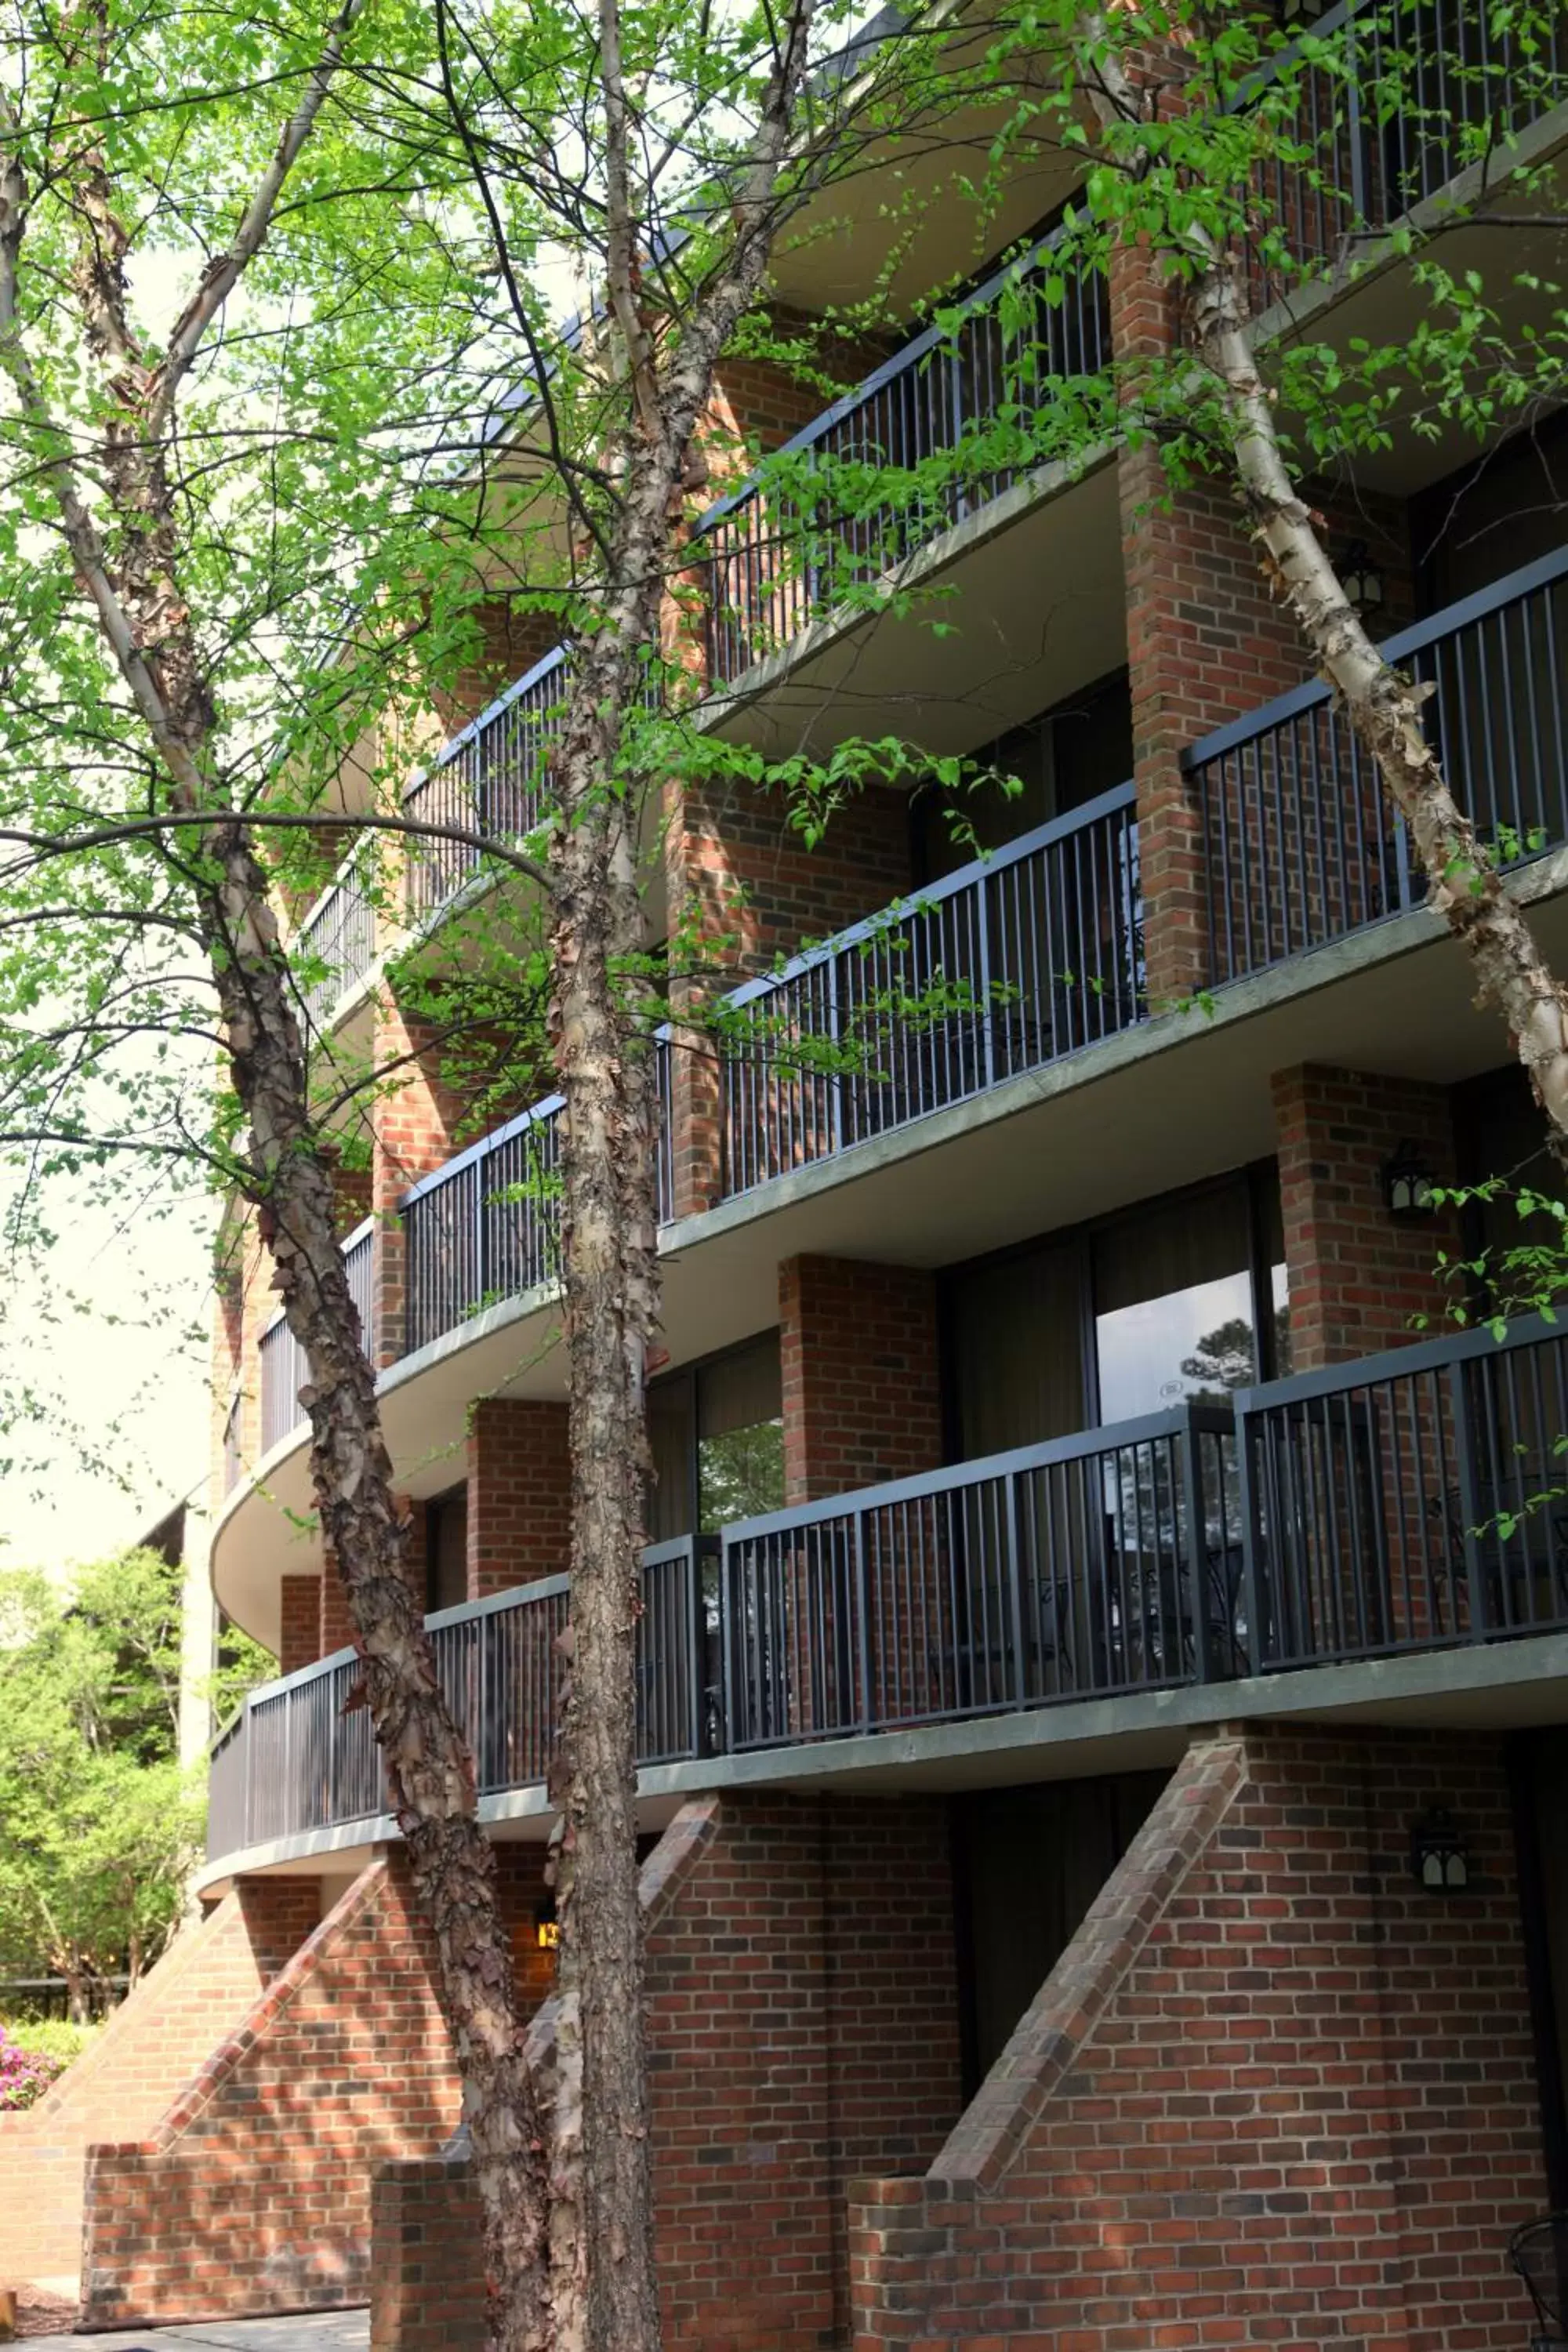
x: 102, y: 1826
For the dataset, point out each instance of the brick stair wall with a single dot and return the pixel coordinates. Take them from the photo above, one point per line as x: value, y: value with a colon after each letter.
x: 803, y: 2027
x: 250, y: 2193
x: 200, y: 1988
x: 1273, y: 2092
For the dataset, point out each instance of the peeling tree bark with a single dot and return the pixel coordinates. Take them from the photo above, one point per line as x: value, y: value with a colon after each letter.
x: 148, y: 628
x: 1383, y: 707
x: 604, y: 2290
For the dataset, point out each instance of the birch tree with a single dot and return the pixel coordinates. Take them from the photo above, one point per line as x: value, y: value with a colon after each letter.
x: 1186, y: 141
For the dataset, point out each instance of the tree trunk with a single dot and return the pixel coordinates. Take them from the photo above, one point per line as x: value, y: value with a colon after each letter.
x: 603, y: 2283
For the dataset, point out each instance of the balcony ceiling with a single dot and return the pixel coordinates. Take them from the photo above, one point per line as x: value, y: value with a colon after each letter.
x: 1032, y: 590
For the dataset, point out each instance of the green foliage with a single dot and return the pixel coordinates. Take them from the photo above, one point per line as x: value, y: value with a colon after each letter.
x: 58, y: 2039
x: 101, y: 1825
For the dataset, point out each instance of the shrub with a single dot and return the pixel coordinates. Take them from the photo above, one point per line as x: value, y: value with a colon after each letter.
x: 52, y: 2037
x: 25, y: 2075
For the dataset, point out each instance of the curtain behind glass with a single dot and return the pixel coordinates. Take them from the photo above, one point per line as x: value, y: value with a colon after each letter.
x: 671, y: 1505
x: 1017, y: 1334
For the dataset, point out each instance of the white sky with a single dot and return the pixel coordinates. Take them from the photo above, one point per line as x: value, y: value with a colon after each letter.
x: 122, y: 1373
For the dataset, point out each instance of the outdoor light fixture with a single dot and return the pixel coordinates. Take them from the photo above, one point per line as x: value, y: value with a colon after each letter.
x: 546, y: 1926
x: 1408, y: 1184
x: 1360, y: 579
x: 1439, y: 1859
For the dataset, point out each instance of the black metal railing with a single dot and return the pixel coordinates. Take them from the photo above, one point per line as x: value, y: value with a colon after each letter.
x: 1407, y: 1502
x: 1301, y: 845
x: 784, y: 547
x: 339, y: 930
x: 1003, y: 967
x: 1070, y: 1569
x: 282, y: 1358
x: 490, y: 778
x: 299, y: 1757
x: 486, y: 1226
x: 1394, y: 101
x: 1413, y: 1501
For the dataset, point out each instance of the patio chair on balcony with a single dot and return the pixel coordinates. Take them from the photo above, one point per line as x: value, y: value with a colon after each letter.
x: 1538, y: 2253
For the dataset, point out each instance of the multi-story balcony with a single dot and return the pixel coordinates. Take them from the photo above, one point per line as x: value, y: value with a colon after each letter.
x: 1405, y: 1508
x: 1025, y: 958
x: 774, y: 566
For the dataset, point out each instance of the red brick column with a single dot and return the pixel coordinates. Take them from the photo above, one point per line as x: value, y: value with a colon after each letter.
x: 299, y: 1639
x: 415, y: 1129
x: 519, y: 1494
x: 821, y: 2037
x: 1206, y: 642
x: 746, y: 890
x: 861, y: 1395
x: 1356, y: 1274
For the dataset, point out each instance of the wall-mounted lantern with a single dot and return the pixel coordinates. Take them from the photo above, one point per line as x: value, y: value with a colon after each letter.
x: 1361, y: 580
x: 1409, y: 1184
x: 1439, y: 1859
x: 546, y: 1926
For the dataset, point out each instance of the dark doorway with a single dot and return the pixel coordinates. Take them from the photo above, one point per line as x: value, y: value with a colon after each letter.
x: 1028, y: 1864
x: 1538, y: 1776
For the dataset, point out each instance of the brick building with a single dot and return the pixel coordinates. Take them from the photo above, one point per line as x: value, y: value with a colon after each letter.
x: 1084, y: 1598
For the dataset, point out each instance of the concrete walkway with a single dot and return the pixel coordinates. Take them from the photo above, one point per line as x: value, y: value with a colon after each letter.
x: 312, y: 2331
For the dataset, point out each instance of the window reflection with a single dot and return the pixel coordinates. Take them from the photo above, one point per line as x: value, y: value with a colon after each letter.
x: 716, y: 1434
x: 1130, y: 1317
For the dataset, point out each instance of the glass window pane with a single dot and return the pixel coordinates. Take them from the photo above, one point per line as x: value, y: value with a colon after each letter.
x: 1017, y: 1330
x: 739, y: 1436
x: 447, y: 1549
x: 1174, y: 1296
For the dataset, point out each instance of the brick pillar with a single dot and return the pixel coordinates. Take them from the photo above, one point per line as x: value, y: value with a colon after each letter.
x: 1357, y: 1275
x: 862, y: 1399
x: 299, y: 1639
x: 336, y: 1628
x: 415, y: 1124
x: 1206, y: 642
x: 279, y: 1914
x: 519, y: 1494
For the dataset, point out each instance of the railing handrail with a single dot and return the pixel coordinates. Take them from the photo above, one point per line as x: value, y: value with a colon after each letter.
x: 364, y: 1231
x: 1397, y: 1363
x: 461, y: 1612
x: 908, y: 355
x: 536, y: 1115
x: 1510, y: 590
x: 888, y: 918
x: 343, y: 872
x: 555, y: 658
x: 1195, y: 1413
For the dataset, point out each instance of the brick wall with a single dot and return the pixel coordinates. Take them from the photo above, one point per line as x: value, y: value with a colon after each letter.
x: 509, y: 640
x: 300, y: 1622
x: 519, y: 1494
x: 199, y: 1990
x: 1272, y: 2091
x: 1356, y: 1274
x: 862, y: 1399
x: 417, y: 1127
x: 251, y: 2193
x: 802, y: 2015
